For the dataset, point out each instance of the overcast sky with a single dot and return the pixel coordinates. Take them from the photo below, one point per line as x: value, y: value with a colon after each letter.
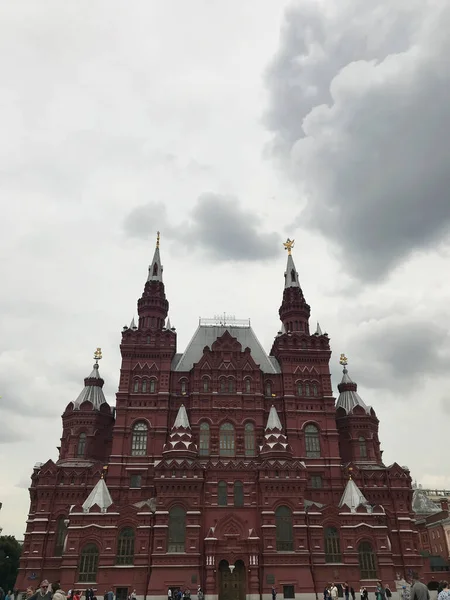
x: 228, y: 126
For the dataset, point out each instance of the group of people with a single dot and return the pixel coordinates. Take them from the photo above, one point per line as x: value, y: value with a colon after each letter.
x: 331, y: 592
x: 179, y: 594
x: 47, y: 591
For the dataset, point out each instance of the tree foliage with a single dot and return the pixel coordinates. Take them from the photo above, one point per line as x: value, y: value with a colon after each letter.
x: 10, y: 551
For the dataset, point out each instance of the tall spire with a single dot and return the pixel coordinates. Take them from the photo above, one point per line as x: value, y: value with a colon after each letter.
x: 294, y: 311
x: 92, y: 391
x: 180, y: 442
x: 155, y: 270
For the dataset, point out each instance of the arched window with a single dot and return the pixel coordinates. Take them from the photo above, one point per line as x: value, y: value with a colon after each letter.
x: 136, y: 386
x: 249, y: 439
x: 367, y: 561
x: 222, y: 499
x: 293, y: 277
x: 152, y: 387
x: 268, y: 389
x: 315, y: 392
x: 284, y: 529
x: 88, y: 564
x: 205, y: 381
x: 332, y: 545
x: 222, y: 385
x: 125, y: 547
x: 139, y: 439
x: 362, y: 447
x: 299, y: 389
x: 61, y: 533
x: 177, y: 529
x: 183, y: 386
x: 248, y: 385
x: 238, y: 493
x: 307, y: 390
x: 81, y: 447
x: 231, y: 385
x: 312, y: 441
x: 204, y: 439
x: 144, y: 386
x: 226, y: 440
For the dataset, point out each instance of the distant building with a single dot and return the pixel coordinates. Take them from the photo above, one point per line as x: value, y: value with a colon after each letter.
x: 433, y: 526
x: 221, y: 466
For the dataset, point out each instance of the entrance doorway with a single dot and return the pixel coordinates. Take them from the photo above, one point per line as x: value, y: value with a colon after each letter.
x: 232, y: 581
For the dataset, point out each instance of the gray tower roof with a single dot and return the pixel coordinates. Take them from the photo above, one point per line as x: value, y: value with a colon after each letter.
x: 352, y: 496
x: 291, y: 274
x: 182, y: 418
x: 155, y: 270
x: 349, y: 397
x: 100, y: 496
x: 273, y: 422
x: 92, y: 391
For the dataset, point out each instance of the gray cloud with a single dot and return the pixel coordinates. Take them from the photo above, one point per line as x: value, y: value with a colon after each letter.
x: 358, y: 108
x: 217, y: 224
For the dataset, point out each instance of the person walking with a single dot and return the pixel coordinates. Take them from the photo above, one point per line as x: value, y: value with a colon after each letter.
x: 334, y: 593
x: 274, y: 593
x: 419, y: 590
x: 43, y: 593
x: 387, y: 591
x: 364, y: 593
x: 346, y: 590
x: 444, y: 594
x: 200, y: 594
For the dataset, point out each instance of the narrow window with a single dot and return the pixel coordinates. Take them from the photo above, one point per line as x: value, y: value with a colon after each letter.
x: 61, y: 533
x: 238, y: 494
x: 222, y: 499
x: 152, y: 386
x: 248, y: 386
x: 268, y: 389
x: 81, y: 448
x: 204, y: 439
x: 293, y: 277
x: 144, y: 386
x: 88, y: 564
x: 367, y: 561
x: 231, y: 385
x: 312, y: 441
x: 176, y: 530
x: 226, y: 440
x: 249, y: 439
x: 307, y: 390
x: 205, y: 384
x: 222, y: 387
x: 332, y: 545
x: 362, y: 447
x: 183, y: 386
x: 284, y: 529
x: 139, y: 439
x: 299, y: 389
x: 155, y: 270
x: 125, y: 547
x: 314, y: 390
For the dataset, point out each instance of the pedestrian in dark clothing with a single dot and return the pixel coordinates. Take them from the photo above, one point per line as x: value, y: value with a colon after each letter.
x: 419, y: 590
x: 352, y: 593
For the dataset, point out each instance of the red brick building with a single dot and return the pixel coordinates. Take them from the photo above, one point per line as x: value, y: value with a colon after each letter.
x: 223, y: 466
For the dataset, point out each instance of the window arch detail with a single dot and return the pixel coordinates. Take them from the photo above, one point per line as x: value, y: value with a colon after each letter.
x: 204, y: 439
x: 125, y: 547
x: 332, y: 545
x: 284, y: 529
x: 88, y: 564
x: 177, y: 529
x: 367, y: 561
x: 139, y: 439
x: 227, y: 440
x: 312, y: 441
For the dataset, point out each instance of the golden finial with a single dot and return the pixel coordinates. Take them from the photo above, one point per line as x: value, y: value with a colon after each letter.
x: 343, y: 360
x: 288, y: 245
x: 157, y: 239
x: 98, y: 354
x: 350, y: 469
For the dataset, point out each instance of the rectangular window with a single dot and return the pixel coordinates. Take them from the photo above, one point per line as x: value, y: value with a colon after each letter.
x: 270, y: 579
x: 316, y: 482
x: 135, y: 481
x: 288, y: 592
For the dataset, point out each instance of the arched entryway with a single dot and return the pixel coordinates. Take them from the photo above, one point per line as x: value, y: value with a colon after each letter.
x: 232, y: 580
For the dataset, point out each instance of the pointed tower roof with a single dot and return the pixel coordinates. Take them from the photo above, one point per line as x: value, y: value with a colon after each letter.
x: 275, y: 442
x: 348, y: 395
x: 168, y: 324
x: 273, y: 422
x: 352, y: 497
x: 92, y: 391
x: 291, y: 274
x: 99, y: 496
x: 133, y: 324
x: 318, y: 329
x: 155, y: 270
x: 180, y: 442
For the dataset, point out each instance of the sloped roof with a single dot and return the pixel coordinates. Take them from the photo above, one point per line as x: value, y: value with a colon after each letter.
x: 352, y: 496
x: 206, y: 335
x: 422, y: 505
x: 349, y: 397
x: 182, y: 418
x: 100, y: 496
x: 92, y: 391
x: 273, y: 422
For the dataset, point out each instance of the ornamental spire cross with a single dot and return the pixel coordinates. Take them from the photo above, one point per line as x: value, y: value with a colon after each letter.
x: 343, y: 360
x: 98, y: 355
x: 288, y: 245
x: 157, y: 239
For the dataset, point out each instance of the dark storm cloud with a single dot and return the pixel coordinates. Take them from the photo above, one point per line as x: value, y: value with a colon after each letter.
x: 399, y: 356
x: 359, y: 112
x: 217, y: 224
